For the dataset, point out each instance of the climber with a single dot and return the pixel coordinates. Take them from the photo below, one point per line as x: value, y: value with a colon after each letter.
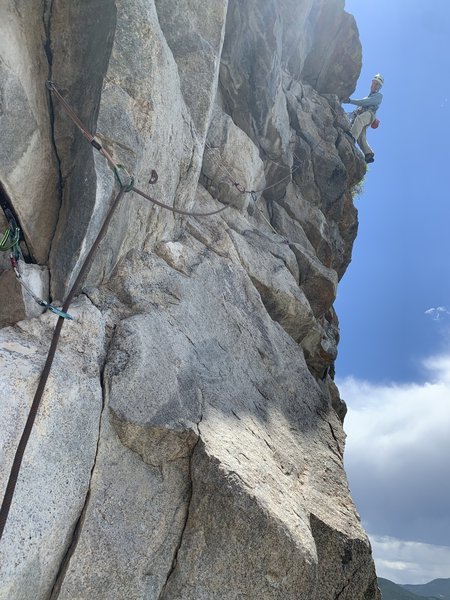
x: 365, y: 115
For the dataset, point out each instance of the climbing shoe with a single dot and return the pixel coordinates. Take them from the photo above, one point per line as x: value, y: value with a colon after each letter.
x: 369, y: 158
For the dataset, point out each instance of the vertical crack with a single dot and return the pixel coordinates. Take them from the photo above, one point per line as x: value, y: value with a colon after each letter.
x: 349, y: 582
x: 46, y: 19
x: 162, y: 594
x: 59, y: 578
x: 48, y: 49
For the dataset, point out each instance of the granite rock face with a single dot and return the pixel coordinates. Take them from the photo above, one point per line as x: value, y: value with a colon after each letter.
x: 55, y: 475
x: 189, y: 444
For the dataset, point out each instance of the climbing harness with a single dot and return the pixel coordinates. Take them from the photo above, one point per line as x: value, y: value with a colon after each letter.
x: 351, y: 116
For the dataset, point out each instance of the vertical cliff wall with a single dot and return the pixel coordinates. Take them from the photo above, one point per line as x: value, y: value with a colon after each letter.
x: 189, y: 444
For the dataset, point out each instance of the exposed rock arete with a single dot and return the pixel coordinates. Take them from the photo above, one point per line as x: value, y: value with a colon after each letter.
x: 189, y: 444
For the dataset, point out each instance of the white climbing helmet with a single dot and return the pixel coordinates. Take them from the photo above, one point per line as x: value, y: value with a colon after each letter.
x: 379, y: 79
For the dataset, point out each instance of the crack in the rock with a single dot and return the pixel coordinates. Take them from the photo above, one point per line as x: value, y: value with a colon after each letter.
x: 339, y: 452
x: 65, y: 562
x: 162, y: 594
x: 350, y: 580
x: 183, y: 178
x: 336, y: 440
x: 210, y: 246
x: 263, y: 394
x: 284, y: 261
x: 333, y: 450
x: 47, y: 22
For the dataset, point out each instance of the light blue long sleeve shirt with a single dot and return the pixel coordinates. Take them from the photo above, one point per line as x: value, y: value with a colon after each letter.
x: 372, y: 101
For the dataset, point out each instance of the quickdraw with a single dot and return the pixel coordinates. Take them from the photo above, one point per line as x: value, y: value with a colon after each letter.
x: 43, y: 303
x: 10, y: 239
x: 10, y: 243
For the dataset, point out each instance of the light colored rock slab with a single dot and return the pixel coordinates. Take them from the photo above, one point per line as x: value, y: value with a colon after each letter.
x: 56, y: 469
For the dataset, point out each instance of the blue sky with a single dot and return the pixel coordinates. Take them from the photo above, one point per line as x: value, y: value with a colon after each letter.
x: 393, y: 303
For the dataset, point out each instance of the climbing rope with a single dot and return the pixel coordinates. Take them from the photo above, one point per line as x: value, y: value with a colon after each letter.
x: 255, y: 194
x: 241, y: 188
x: 117, y: 168
x: 125, y: 186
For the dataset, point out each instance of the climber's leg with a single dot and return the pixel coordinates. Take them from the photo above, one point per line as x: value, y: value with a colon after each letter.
x: 361, y: 121
x: 362, y: 143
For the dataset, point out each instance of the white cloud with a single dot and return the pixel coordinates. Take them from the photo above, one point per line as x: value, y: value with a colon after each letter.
x: 437, y: 313
x: 410, y: 562
x: 397, y: 463
x: 384, y: 420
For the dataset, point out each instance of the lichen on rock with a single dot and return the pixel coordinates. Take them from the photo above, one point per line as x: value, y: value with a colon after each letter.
x: 189, y: 444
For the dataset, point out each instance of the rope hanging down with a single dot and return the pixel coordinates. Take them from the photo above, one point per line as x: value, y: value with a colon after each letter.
x: 14, y: 473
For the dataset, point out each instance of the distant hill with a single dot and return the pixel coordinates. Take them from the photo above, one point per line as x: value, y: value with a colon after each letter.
x: 393, y: 591
x: 439, y: 588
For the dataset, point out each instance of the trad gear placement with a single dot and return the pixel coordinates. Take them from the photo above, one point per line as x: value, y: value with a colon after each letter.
x: 366, y: 115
